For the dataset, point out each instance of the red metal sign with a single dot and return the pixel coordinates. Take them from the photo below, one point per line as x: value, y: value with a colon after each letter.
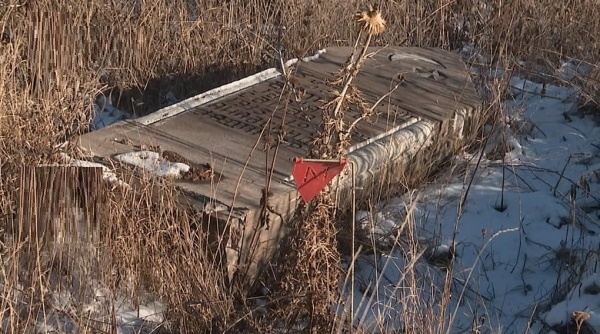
x: 312, y: 175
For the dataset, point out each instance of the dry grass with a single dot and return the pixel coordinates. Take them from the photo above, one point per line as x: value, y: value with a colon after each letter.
x: 56, y: 57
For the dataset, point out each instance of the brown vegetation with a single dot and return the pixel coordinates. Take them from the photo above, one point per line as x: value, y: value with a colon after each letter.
x: 56, y: 56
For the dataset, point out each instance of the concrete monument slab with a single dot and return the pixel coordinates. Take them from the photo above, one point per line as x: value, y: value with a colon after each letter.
x: 231, y: 128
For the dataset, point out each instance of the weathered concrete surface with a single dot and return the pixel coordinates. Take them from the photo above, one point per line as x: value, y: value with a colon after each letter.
x: 229, y: 127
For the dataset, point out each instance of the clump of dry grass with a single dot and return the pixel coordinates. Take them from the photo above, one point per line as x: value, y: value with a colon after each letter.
x: 589, y: 102
x: 149, y: 248
x: 159, y: 248
x: 311, y: 274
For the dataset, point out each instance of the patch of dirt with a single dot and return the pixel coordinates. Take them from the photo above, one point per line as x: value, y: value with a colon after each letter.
x: 196, y: 173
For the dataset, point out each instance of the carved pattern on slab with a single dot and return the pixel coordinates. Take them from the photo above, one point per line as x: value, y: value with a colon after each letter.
x: 249, y: 111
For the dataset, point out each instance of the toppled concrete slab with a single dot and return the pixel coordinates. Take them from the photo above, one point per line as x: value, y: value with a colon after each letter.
x: 231, y: 129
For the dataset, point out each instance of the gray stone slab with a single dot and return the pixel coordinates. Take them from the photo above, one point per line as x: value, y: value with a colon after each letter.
x: 227, y: 127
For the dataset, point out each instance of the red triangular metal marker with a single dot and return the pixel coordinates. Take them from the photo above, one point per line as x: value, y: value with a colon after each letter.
x: 311, y: 176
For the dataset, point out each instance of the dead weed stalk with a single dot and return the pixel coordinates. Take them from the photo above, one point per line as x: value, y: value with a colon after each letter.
x: 315, y: 274
x: 55, y: 59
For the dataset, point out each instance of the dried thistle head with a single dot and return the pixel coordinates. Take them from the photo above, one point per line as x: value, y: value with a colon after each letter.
x: 371, y: 20
x: 580, y: 316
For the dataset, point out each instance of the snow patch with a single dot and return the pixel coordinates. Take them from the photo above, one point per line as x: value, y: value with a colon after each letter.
x: 305, y: 59
x: 583, y: 297
x: 521, y: 235
x: 105, y: 114
x: 573, y: 68
x: 153, y: 163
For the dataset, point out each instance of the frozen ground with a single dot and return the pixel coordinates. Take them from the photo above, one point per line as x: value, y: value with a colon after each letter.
x: 526, y: 236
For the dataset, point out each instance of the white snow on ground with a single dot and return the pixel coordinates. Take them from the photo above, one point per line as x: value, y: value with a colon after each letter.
x: 105, y: 114
x: 572, y: 68
x: 152, y: 162
x: 526, y: 252
x: 104, y: 313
